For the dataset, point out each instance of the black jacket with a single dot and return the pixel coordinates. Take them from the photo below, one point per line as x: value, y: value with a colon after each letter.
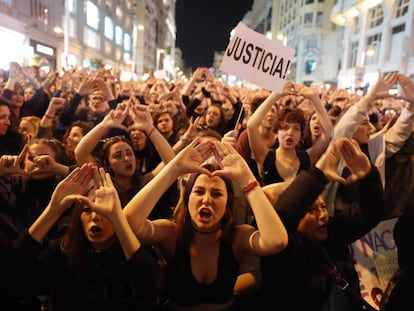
x: 296, y: 279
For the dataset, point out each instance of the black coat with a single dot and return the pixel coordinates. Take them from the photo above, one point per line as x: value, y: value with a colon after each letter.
x: 296, y: 279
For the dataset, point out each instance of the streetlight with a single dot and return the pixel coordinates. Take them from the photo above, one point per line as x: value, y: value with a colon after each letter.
x: 282, y: 37
x: 370, y: 52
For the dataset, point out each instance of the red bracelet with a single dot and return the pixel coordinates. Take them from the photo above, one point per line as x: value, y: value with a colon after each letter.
x: 250, y: 186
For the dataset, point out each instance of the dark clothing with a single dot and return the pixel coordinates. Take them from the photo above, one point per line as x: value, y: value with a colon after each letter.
x: 270, y: 172
x: 36, y: 106
x: 11, y: 143
x: 97, y: 281
x: 184, y: 290
x: 243, y: 147
x: 25, y: 201
x: 16, y: 290
x: 401, y: 284
x: 73, y: 112
x: 296, y: 279
x: 190, y: 106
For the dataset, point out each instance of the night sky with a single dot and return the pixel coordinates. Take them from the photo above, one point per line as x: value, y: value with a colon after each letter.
x: 205, y: 26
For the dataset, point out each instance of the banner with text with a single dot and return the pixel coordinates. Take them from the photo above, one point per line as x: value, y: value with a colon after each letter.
x: 376, y: 260
x: 253, y: 57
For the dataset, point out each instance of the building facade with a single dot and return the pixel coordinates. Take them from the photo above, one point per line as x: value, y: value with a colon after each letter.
x: 377, y: 35
x: 133, y: 36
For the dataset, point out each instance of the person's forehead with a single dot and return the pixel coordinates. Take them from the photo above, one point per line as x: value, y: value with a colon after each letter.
x: 41, y: 148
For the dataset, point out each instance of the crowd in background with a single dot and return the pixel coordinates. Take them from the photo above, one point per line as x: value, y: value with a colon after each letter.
x: 197, y: 195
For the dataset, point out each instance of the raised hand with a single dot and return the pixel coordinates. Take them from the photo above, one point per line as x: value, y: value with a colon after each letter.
x: 12, y: 164
x: 381, y: 88
x: 189, y: 159
x: 408, y: 90
x: 106, y: 202
x: 86, y: 86
x: 67, y: 191
x: 230, y: 137
x: 55, y: 105
x: 104, y: 87
x: 232, y: 164
x: 192, y: 129
x: 116, y: 117
x: 328, y: 161
x: 141, y: 116
x: 357, y: 162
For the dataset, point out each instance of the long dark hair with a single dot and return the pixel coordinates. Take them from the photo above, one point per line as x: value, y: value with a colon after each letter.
x: 78, y: 261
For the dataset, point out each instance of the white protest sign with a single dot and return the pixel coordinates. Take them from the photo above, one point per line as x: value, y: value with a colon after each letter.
x: 375, y: 257
x: 253, y: 57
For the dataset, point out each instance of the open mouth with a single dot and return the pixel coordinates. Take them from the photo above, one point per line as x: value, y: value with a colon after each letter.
x: 205, y: 213
x: 95, y: 229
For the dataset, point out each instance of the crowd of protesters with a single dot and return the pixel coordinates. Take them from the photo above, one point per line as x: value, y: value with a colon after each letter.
x: 197, y: 195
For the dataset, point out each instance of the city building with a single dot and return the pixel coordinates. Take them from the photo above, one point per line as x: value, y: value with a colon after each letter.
x: 304, y: 25
x: 377, y: 35
x: 133, y: 36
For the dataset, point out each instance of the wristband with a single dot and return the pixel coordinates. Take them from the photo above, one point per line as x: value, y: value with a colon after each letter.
x: 250, y: 186
x: 150, y: 132
x: 49, y: 117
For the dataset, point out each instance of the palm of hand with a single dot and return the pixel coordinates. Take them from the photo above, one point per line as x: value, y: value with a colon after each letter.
x: 359, y: 167
x: 63, y: 193
x: 105, y: 200
x: 329, y: 167
x: 231, y: 165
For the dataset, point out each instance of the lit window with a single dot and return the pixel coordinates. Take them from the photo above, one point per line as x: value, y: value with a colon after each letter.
x: 91, y: 38
x: 118, y: 35
x: 92, y: 15
x: 72, y: 6
x: 127, y: 42
x: 109, y: 28
x: 119, y: 13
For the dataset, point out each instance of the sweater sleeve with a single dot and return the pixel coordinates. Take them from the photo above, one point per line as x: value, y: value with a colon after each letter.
x: 299, y: 195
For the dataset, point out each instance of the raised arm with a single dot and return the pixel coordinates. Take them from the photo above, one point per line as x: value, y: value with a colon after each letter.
x: 107, y: 204
x: 63, y: 197
x: 271, y: 236
x: 257, y: 144
x: 141, y: 205
x: 114, y: 119
x: 143, y: 121
x: 398, y: 134
x: 357, y: 112
x: 55, y: 105
x: 323, y: 141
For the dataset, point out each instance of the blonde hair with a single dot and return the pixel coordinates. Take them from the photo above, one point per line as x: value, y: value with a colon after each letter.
x: 33, y: 120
